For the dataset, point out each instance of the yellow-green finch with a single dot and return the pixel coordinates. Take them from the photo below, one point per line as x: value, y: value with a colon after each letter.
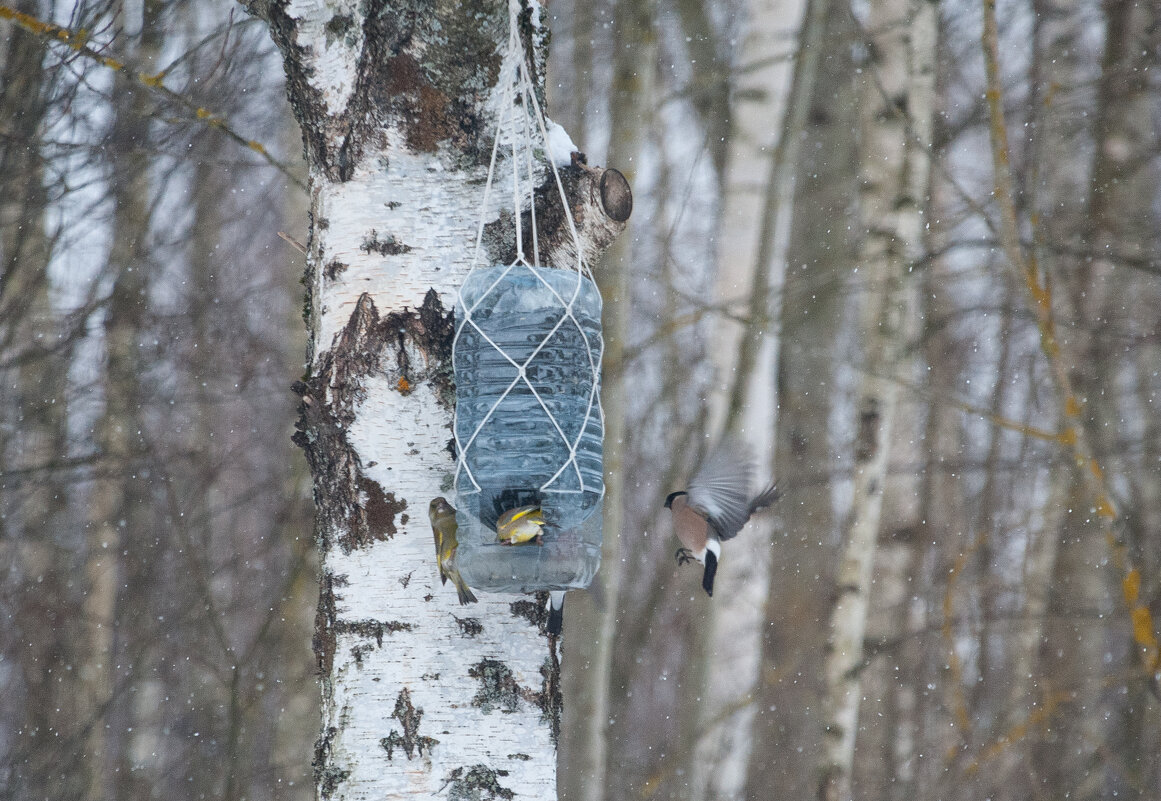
x: 444, y: 527
x: 520, y: 526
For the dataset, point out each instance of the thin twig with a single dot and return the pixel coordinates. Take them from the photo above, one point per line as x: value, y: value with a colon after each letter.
x: 77, y: 40
x: 1092, y: 474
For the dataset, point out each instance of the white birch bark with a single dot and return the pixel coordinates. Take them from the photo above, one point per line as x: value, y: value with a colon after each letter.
x: 421, y: 698
x: 894, y: 173
x: 751, y: 257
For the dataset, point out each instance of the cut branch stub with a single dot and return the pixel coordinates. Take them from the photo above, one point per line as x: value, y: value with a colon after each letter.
x: 600, y: 202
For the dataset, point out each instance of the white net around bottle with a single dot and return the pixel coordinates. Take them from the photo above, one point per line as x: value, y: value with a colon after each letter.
x: 522, y: 144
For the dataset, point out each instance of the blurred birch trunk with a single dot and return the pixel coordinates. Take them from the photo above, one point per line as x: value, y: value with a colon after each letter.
x: 38, y: 704
x: 421, y: 699
x: 1099, y: 295
x: 897, y: 97
x: 116, y: 561
x: 1054, y: 190
x: 809, y: 390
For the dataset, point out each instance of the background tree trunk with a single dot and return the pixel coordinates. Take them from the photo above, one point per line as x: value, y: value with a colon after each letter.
x: 810, y: 389
x: 766, y: 129
x: 896, y: 108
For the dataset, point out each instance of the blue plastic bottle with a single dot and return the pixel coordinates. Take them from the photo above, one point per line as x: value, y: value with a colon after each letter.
x: 528, y: 425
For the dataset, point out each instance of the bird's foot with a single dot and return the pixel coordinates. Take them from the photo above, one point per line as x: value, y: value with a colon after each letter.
x: 683, y: 556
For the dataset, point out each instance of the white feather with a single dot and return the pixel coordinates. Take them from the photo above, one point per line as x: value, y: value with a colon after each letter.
x: 560, y: 144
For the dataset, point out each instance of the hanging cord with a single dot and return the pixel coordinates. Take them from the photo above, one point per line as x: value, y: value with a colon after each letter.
x: 519, y: 93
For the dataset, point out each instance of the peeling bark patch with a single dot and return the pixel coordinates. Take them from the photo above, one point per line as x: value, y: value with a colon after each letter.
x: 425, y: 74
x: 498, y: 687
x: 380, y: 509
x: 327, y: 778
x: 367, y: 345
x: 469, y: 626
x: 387, y: 246
x: 550, y: 699
x: 323, y: 641
x: 411, y: 741
x: 477, y: 783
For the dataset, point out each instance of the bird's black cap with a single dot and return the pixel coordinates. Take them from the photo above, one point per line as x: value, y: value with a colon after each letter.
x: 672, y: 495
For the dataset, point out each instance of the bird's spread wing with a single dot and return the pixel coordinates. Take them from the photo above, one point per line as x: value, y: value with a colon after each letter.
x: 720, y: 488
x: 767, y: 497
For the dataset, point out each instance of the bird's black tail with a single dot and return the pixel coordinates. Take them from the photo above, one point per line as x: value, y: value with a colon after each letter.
x: 711, y: 570
x: 555, y: 613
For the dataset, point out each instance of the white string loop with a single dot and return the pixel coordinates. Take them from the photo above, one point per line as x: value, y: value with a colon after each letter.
x: 521, y: 121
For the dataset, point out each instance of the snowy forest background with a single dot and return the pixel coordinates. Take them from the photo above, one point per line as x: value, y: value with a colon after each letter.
x: 157, y: 573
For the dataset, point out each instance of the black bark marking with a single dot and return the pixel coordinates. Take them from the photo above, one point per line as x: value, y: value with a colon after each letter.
x: 334, y: 269
x: 338, y: 26
x: 359, y: 651
x: 326, y: 776
x: 477, y: 783
x: 411, y: 741
x: 469, y: 626
x: 498, y: 687
x: 535, y: 612
x: 425, y: 72
x: 372, y: 629
x: 420, y: 71
x: 306, y: 101
x: 387, y: 246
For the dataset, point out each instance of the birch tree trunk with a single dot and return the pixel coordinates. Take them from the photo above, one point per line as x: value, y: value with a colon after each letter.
x: 897, y: 99
x: 810, y: 335
x: 397, y: 102
x: 118, y: 556
x: 750, y: 261
x: 39, y: 705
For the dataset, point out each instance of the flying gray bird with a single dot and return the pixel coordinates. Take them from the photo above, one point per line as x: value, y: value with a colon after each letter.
x: 715, y: 507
